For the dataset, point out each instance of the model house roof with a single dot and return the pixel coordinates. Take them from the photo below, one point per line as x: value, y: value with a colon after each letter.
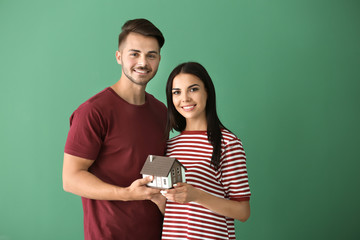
x: 158, y: 165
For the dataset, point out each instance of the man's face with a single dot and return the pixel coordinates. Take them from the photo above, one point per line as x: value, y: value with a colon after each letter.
x: 139, y: 57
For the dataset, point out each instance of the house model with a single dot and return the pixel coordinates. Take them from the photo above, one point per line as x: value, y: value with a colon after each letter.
x: 166, y: 171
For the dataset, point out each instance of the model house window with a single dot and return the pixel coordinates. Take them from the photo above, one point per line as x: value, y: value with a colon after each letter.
x: 173, y: 172
x: 178, y: 170
x: 165, y: 181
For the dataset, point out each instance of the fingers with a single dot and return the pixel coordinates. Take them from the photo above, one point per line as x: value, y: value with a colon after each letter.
x: 168, y: 195
x: 171, y: 194
x: 177, y: 185
x: 170, y: 191
x: 139, y: 190
x: 153, y: 191
x: 181, y: 193
x: 178, y: 188
x: 144, y: 181
x: 149, y: 193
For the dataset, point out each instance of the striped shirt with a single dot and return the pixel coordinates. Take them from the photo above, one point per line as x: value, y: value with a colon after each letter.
x: 191, y: 220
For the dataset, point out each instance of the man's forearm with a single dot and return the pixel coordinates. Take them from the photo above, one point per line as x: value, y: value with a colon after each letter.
x: 85, y: 184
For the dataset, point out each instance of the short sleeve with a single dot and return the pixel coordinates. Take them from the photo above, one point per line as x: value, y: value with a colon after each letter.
x: 234, y: 176
x: 85, y: 136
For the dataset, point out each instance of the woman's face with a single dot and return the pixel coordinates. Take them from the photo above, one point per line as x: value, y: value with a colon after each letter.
x: 189, y: 97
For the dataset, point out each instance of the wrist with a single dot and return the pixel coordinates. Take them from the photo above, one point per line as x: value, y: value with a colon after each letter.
x: 123, y: 194
x: 199, y: 195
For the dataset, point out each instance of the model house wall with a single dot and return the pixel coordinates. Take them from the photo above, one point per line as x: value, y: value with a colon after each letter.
x: 166, y: 171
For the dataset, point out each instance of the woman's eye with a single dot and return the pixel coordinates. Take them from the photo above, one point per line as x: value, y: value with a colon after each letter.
x: 194, y: 89
x: 176, y: 92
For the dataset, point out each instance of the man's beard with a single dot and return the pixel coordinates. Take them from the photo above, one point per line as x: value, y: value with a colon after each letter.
x: 139, y: 82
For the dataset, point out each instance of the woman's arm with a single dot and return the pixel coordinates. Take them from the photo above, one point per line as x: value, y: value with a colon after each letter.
x: 184, y: 193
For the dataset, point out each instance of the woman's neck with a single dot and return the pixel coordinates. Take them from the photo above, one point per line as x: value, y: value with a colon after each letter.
x: 195, y: 125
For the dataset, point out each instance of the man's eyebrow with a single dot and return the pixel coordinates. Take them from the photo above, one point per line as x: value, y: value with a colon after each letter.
x: 153, y: 52
x: 138, y: 51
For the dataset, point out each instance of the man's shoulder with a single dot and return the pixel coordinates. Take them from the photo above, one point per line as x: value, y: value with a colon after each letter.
x: 100, y: 98
x: 95, y: 103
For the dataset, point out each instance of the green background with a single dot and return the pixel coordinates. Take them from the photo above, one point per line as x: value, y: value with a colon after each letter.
x: 287, y: 79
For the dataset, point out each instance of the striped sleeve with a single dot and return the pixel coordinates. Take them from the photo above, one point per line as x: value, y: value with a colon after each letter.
x: 234, y: 176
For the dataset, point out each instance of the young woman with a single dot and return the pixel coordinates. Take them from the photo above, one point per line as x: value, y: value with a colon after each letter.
x: 216, y: 190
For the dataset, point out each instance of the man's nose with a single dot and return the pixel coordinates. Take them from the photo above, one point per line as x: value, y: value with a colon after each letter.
x: 142, y: 61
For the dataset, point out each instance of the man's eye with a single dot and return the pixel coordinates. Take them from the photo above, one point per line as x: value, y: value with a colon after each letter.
x: 133, y: 54
x: 152, y: 56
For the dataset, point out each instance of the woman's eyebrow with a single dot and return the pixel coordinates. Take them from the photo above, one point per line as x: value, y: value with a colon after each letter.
x: 193, y: 85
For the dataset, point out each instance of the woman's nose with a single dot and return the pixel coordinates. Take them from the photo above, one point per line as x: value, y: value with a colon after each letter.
x: 185, y: 97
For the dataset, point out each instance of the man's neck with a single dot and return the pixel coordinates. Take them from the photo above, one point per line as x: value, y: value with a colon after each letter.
x: 130, y: 92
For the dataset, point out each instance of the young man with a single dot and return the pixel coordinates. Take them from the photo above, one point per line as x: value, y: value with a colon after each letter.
x: 110, y: 137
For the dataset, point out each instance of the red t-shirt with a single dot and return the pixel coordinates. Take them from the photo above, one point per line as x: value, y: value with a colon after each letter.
x: 192, y: 220
x: 118, y: 136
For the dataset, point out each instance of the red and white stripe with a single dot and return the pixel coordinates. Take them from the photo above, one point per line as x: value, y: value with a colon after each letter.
x: 191, y: 220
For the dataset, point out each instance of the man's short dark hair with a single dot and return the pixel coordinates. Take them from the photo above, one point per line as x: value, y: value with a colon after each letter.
x: 143, y: 27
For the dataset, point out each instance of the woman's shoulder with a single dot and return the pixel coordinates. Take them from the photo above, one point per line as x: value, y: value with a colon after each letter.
x: 174, y: 139
x: 228, y: 135
x: 189, y: 136
x: 229, y: 138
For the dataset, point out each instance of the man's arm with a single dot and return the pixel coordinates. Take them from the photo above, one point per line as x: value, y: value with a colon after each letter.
x: 78, y: 180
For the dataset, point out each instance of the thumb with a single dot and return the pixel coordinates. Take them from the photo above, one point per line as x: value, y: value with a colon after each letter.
x: 178, y: 184
x: 145, y: 180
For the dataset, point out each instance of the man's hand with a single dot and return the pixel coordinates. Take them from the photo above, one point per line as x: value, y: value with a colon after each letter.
x: 139, y: 191
x: 160, y: 201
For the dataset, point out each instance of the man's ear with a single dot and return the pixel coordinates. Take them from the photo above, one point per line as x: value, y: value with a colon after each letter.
x: 118, y: 57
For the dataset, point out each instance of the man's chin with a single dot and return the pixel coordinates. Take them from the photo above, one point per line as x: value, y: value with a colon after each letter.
x: 140, y: 82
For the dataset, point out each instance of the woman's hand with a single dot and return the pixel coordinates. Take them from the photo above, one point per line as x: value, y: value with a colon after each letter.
x: 185, y: 193
x: 181, y: 193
